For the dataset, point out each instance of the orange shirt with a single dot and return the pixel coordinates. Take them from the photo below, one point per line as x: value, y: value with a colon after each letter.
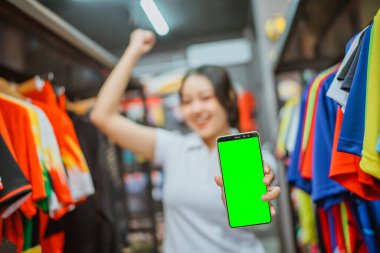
x: 306, y: 163
x: 17, y: 122
x: 247, y: 106
x: 78, y: 172
x: 57, y: 173
x: 346, y: 171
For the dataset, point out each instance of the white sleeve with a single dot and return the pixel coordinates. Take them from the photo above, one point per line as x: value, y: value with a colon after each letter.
x: 166, y: 142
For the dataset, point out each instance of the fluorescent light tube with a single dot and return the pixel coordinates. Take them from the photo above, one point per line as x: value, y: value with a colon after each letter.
x: 155, y: 16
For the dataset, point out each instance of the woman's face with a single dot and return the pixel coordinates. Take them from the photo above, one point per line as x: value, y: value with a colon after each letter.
x: 201, y: 109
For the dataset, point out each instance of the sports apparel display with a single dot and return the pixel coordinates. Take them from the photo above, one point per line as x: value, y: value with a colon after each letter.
x: 335, y: 92
x: 352, y: 130
x: 288, y: 118
x: 47, y: 201
x: 335, y: 159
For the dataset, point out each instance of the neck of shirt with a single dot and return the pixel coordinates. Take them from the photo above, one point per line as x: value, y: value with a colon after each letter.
x: 211, y: 142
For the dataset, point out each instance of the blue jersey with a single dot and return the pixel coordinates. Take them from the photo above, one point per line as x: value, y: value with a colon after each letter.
x: 378, y: 145
x: 325, y: 190
x: 375, y: 211
x: 367, y: 217
x: 294, y: 175
x: 352, y: 131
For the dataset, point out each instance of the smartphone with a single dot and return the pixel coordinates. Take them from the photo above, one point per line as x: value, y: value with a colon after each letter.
x: 242, y: 171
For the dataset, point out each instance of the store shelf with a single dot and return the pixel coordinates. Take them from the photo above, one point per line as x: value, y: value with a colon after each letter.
x: 65, y: 31
x: 314, y: 36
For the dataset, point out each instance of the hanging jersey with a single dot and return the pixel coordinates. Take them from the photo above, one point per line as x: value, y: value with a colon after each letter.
x: 291, y: 136
x: 325, y: 230
x: 18, y: 125
x: 57, y: 171
x: 80, y: 180
x: 325, y: 117
x: 375, y: 209
x: 305, y: 164
x: 335, y: 92
x: 352, y: 130
x: 314, y: 90
x: 289, y: 116
x: 247, y: 106
x: 14, y: 184
x: 345, y: 225
x: 352, y: 235
x: 339, y: 230
x: 49, y: 242
x: 351, y: 66
x: 332, y: 229
x: 39, y: 145
x: 364, y: 217
x: 60, y: 199
x: 13, y: 230
x: 307, y: 217
x: 346, y: 171
x: 294, y: 176
x: 370, y: 162
x: 284, y: 118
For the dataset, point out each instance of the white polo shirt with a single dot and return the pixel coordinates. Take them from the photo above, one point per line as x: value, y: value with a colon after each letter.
x: 195, y: 218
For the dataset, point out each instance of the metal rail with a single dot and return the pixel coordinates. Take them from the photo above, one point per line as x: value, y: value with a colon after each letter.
x: 64, y: 30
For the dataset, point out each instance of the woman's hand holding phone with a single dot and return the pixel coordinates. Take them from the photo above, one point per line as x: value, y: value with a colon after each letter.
x: 272, y: 193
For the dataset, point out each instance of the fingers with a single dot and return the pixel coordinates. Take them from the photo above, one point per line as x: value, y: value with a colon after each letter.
x: 218, y: 180
x: 223, y: 197
x: 266, y: 169
x: 273, y: 193
x: 140, y: 33
x: 268, y: 175
x: 148, y: 41
x: 272, y: 209
x: 149, y: 37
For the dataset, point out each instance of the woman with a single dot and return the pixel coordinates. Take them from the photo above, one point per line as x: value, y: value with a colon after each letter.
x: 195, y: 218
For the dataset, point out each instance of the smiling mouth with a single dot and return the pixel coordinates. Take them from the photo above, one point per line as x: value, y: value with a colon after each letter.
x: 201, y: 122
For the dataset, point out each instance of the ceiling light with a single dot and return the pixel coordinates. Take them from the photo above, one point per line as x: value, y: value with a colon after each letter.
x: 155, y: 16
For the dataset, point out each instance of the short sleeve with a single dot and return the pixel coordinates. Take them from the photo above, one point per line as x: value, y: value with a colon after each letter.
x: 167, y: 145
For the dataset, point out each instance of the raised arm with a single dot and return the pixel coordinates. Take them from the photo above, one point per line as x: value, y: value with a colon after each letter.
x: 128, y: 134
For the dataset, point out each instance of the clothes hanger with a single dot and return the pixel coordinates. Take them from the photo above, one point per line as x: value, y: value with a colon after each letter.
x: 35, y: 83
x: 82, y: 107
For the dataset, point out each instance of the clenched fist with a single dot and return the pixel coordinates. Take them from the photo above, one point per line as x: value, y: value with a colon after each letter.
x: 141, y: 41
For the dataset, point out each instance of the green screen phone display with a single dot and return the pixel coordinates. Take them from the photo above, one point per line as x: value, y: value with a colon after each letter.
x: 243, y: 174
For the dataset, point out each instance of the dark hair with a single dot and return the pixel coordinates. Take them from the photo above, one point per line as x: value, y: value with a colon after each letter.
x: 223, y: 89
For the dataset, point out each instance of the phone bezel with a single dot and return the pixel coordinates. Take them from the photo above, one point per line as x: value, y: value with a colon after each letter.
x: 232, y: 137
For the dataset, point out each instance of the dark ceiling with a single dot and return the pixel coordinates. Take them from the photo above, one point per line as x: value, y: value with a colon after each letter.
x: 109, y: 22
x: 317, y: 36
